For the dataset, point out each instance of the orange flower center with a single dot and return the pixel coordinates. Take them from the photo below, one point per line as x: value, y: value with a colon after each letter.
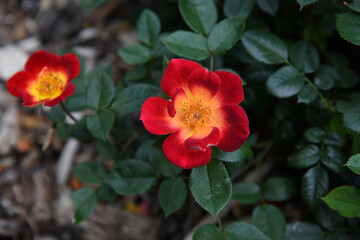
x: 49, y: 84
x: 196, y: 113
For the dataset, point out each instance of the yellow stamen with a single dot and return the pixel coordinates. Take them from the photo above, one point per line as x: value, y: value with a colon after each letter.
x: 49, y: 84
x: 196, y: 113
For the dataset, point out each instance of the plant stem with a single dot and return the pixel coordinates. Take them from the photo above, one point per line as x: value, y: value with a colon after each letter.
x: 219, y: 222
x: 63, y: 107
x: 212, y: 62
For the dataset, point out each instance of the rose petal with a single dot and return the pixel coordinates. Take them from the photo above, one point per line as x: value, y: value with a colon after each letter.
x: 176, y: 74
x: 203, y: 138
x: 155, y: 116
x: 230, y: 91
x: 176, y: 152
x: 39, y: 59
x: 18, y: 83
x: 203, y: 84
x: 70, y: 64
x: 233, y: 124
x: 178, y: 100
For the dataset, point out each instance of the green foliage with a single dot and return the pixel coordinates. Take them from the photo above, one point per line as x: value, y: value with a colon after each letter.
x: 345, y: 200
x: 269, y: 6
x: 306, y: 157
x: 135, y: 54
x: 303, y: 231
x: 100, y: 124
x: 148, y: 27
x: 305, y: 56
x: 348, y: 26
x: 63, y: 131
x: 106, y: 149
x: 100, y: 92
x: 85, y: 200
x: 354, y: 164
x: 246, y: 192
x: 90, y: 172
x: 57, y: 115
x: 242, y: 230
x: 278, y: 189
x: 172, y: 195
x: 211, y: 186
x: 208, y: 232
x: 234, y: 8
x: 236, y: 156
x: 304, y: 3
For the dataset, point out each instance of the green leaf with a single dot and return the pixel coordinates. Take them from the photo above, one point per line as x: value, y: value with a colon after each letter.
x: 131, y: 177
x: 85, y: 200
x: 304, y: 3
x: 100, y: 92
x: 334, y: 139
x: 95, y: 73
x: 306, y: 157
x: 187, y: 44
x: 315, y: 184
x: 57, y: 115
x: 244, y: 231
x: 307, y: 94
x: 131, y: 98
x: 314, y: 135
x: 285, y: 82
x: 135, y: 74
x: 211, y: 186
x: 345, y: 200
x: 265, y: 46
x: 90, y: 172
x: 303, y: 231
x: 165, y: 62
x: 240, y: 8
x: 355, y: 5
x: 352, y: 118
x: 236, y: 156
x: 348, y: 78
x: 199, y: 15
x: 278, y: 189
x: 270, y: 220
x: 88, y: 5
x: 100, y: 124
x: 348, y: 26
x: 246, y: 192
x: 269, y: 6
x: 354, y: 164
x: 148, y: 27
x: 172, y: 195
x: 334, y: 159
x: 325, y: 77
x: 208, y: 232
x: 63, y: 131
x: 106, y: 149
x: 135, y: 54
x: 225, y: 34
x: 305, y: 56
x: 106, y: 193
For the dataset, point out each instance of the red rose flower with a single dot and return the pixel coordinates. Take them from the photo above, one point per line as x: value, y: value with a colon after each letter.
x: 46, y: 79
x: 203, y: 111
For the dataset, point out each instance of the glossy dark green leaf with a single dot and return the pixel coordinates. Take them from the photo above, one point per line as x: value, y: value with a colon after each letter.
x: 348, y: 78
x: 95, y: 73
x: 355, y: 5
x: 325, y: 77
x: 135, y: 74
x: 211, y: 186
x: 306, y: 157
x: 199, y: 15
x: 314, y: 134
x: 304, y: 3
x: 269, y: 6
x: 278, y: 189
x: 85, y: 200
x: 244, y: 231
x: 131, y: 177
x: 57, y: 115
x: 348, y: 26
x: 315, y: 184
x: 90, y: 172
x: 225, y: 34
x: 131, y: 98
x: 208, y: 232
x: 135, y: 54
x: 246, y: 192
x: 165, y: 63
x: 345, y: 200
x: 63, y: 131
x: 270, y: 220
x: 106, y: 193
x: 354, y: 164
x: 187, y: 44
x: 285, y: 82
x: 305, y: 56
x: 334, y: 159
x: 307, y: 94
x: 100, y: 92
x: 148, y: 27
x: 240, y: 8
x: 236, y: 156
x: 303, y: 231
x: 334, y: 139
x: 265, y: 46
x: 172, y: 195
x: 352, y: 118
x: 100, y: 124
x: 106, y: 149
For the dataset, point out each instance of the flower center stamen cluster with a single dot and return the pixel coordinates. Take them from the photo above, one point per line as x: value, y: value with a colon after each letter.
x: 196, y: 113
x: 49, y: 83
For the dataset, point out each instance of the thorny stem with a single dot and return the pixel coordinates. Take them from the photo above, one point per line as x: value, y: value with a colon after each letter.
x: 63, y: 107
x: 211, y: 62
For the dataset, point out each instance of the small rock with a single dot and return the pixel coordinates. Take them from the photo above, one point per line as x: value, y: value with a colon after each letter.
x: 12, y: 60
x: 30, y: 44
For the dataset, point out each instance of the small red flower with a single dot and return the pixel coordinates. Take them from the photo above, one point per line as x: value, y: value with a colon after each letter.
x: 203, y: 111
x: 46, y: 79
